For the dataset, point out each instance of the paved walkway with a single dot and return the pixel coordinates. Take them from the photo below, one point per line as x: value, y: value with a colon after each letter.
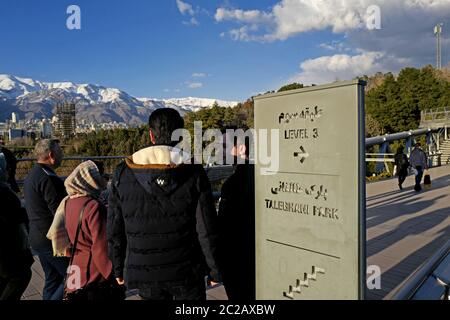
x: 404, y: 229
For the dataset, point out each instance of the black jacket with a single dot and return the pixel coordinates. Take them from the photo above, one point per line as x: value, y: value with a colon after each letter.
x: 14, y: 253
x: 44, y: 191
x: 401, y: 161
x: 161, y: 223
x: 237, y: 233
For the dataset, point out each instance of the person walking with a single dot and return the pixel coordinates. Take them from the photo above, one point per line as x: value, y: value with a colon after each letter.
x: 162, y: 221
x: 44, y: 191
x: 15, y: 255
x: 79, y: 227
x: 418, y: 160
x: 402, y: 163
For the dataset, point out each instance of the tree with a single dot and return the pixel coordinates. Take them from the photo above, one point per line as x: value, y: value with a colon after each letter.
x: 291, y: 86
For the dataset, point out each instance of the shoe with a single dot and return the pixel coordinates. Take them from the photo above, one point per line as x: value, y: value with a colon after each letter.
x: 400, y: 187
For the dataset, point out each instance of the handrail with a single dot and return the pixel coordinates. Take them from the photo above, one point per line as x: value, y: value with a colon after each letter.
x: 80, y: 158
x: 397, y: 136
x: 412, y: 284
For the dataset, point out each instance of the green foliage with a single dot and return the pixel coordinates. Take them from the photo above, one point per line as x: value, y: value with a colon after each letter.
x: 218, y: 117
x: 291, y: 86
x: 119, y: 142
x: 394, y: 104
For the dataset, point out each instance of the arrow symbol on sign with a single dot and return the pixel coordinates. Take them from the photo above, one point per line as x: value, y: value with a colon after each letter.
x: 302, y: 154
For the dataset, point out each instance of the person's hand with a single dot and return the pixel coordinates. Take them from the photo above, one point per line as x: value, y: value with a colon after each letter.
x: 120, y: 281
x: 213, y: 284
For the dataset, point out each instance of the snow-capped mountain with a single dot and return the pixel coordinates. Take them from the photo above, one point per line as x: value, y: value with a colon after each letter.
x: 35, y: 99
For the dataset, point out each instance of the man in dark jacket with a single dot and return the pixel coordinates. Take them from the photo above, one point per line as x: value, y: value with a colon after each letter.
x: 44, y: 191
x: 162, y: 228
x: 237, y: 225
x: 15, y: 255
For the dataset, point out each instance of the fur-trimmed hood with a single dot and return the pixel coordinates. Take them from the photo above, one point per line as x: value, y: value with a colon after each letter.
x: 158, y: 157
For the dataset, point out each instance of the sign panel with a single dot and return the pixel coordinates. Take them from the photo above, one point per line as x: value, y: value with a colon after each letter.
x: 310, y: 212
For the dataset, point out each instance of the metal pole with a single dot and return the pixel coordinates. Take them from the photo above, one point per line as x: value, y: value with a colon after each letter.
x: 438, y: 33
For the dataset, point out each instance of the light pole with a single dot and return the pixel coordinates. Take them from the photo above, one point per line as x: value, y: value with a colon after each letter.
x: 438, y: 33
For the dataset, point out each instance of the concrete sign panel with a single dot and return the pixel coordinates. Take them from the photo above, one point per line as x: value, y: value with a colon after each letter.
x: 310, y: 213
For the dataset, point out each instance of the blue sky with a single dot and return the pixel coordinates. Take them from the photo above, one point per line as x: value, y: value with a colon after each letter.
x: 220, y: 49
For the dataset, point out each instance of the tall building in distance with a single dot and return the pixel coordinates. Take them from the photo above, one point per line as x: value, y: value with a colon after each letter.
x: 65, y: 125
x: 14, y: 117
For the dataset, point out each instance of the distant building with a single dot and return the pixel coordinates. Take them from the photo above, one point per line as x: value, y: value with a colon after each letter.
x: 46, y: 129
x: 14, y: 117
x: 66, y: 124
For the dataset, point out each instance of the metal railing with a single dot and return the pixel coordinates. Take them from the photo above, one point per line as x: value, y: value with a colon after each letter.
x: 427, y: 272
x: 436, y: 117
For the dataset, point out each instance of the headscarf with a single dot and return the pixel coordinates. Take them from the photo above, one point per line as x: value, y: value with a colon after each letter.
x: 85, y: 180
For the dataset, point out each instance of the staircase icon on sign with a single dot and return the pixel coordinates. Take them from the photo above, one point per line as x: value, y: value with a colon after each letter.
x: 305, y: 283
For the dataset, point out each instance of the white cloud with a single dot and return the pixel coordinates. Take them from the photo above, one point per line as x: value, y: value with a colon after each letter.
x: 185, y: 7
x: 192, y: 22
x: 199, y: 75
x: 335, y: 46
x: 405, y: 38
x: 291, y: 17
x: 194, y: 85
x: 328, y: 69
x: 250, y: 16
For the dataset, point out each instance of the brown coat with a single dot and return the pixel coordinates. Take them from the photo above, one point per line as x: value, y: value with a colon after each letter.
x: 92, y: 248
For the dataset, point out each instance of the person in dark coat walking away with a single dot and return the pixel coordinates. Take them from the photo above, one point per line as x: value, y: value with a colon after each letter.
x: 402, y: 163
x: 44, y: 191
x: 90, y: 261
x: 237, y: 225
x: 162, y: 222
x: 15, y: 255
x: 419, y: 161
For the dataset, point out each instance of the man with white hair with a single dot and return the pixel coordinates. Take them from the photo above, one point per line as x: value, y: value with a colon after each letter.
x: 44, y: 191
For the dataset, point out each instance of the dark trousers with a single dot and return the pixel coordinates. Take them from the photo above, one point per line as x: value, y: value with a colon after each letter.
x: 175, y: 290
x: 55, y: 270
x: 419, y: 177
x: 402, y: 174
x: 239, y: 285
x: 12, y: 287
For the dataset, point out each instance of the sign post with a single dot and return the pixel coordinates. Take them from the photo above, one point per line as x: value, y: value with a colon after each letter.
x: 310, y: 213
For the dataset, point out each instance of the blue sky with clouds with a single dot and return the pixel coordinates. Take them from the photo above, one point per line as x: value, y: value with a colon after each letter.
x: 221, y: 49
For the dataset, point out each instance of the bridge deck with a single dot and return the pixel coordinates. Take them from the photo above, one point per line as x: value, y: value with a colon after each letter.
x: 404, y: 229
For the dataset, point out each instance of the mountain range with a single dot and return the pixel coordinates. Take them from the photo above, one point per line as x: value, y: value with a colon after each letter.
x: 33, y: 99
